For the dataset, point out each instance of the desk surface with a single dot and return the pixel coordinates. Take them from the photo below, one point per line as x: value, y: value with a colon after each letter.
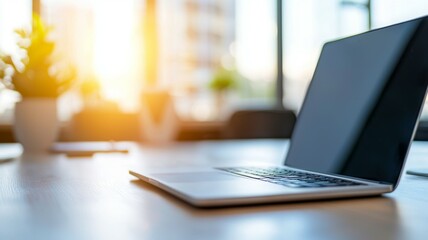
x: 55, y: 197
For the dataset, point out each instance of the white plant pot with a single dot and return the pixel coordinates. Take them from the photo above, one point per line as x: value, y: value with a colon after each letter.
x: 36, y: 123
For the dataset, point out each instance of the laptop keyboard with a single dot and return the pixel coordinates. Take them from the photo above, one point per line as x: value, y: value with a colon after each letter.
x: 289, y: 178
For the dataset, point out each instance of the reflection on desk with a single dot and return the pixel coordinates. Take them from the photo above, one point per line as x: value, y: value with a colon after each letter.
x: 55, y: 197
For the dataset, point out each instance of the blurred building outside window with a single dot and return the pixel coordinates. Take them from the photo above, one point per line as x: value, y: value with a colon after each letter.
x: 198, y: 38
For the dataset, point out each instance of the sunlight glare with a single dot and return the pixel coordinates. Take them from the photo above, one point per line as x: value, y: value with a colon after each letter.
x: 117, y: 53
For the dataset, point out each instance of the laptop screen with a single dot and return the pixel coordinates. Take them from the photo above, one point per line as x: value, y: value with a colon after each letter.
x: 362, y: 105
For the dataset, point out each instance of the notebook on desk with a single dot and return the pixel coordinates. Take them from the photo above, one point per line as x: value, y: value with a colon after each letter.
x: 352, y: 134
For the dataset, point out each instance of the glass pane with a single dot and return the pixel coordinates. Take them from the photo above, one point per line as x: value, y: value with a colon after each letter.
x: 387, y: 12
x: 103, y: 39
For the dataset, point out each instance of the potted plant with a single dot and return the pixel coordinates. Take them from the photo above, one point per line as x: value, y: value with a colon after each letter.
x: 40, y: 80
x: 222, y: 81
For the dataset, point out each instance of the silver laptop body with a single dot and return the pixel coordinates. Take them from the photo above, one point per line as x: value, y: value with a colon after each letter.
x: 352, y: 134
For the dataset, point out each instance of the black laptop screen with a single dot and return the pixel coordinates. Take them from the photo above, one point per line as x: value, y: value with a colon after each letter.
x: 362, y: 105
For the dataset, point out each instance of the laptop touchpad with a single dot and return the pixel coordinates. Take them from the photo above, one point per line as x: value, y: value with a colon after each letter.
x: 193, y: 177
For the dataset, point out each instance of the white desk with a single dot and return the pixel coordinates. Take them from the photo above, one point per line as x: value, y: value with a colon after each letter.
x: 55, y: 197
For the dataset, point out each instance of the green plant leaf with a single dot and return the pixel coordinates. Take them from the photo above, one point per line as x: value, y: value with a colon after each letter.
x: 223, y: 80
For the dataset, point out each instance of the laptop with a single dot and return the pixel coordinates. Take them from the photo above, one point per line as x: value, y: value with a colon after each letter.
x: 352, y: 134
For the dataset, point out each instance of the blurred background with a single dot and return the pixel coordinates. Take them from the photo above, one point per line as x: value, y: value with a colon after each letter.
x: 215, y: 57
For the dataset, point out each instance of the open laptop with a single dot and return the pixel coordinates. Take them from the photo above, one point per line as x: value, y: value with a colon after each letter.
x: 352, y: 134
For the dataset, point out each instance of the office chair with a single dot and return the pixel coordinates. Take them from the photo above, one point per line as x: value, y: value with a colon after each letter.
x: 271, y: 123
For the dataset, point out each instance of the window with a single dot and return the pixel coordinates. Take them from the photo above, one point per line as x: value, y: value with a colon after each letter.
x: 196, y: 39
